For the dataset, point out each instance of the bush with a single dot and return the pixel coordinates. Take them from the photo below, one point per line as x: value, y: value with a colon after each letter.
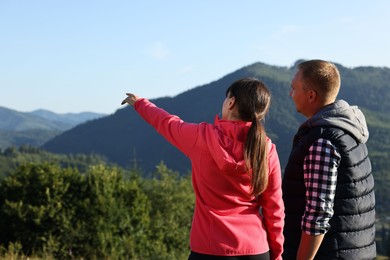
x: 47, y: 211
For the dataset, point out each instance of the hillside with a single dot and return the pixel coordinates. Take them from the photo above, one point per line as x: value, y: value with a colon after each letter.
x: 36, y: 127
x: 71, y: 119
x: 125, y: 139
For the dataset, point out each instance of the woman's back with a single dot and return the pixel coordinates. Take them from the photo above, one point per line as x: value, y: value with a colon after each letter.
x: 235, y: 173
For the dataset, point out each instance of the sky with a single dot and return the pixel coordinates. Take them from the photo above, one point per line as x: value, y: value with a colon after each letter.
x: 71, y: 56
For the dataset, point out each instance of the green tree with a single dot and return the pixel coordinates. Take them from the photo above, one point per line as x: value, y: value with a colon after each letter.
x: 115, y: 214
x: 47, y: 210
x: 37, y: 208
x: 172, y: 201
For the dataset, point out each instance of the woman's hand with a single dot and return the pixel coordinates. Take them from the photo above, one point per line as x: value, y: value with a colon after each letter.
x: 131, y: 98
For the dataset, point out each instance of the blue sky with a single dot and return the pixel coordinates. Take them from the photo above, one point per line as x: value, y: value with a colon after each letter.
x: 84, y: 55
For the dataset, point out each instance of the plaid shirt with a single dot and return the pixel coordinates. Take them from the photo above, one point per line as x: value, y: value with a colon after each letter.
x: 320, y: 177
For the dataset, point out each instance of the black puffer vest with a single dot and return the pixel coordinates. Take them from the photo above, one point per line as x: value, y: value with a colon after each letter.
x: 352, y: 228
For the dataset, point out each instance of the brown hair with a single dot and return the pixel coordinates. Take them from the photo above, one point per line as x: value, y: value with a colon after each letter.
x: 253, y: 100
x: 321, y: 76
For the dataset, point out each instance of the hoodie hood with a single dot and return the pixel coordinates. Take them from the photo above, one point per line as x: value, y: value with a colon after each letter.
x: 341, y: 115
x: 226, y: 143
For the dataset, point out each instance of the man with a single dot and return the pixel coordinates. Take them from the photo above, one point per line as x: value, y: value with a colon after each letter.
x: 328, y: 187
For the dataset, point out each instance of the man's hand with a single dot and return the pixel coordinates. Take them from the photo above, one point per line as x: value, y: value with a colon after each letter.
x: 309, y: 246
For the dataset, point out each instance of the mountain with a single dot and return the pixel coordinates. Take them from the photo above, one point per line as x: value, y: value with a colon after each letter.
x: 69, y: 118
x: 37, y: 127
x: 127, y: 140
x: 124, y: 138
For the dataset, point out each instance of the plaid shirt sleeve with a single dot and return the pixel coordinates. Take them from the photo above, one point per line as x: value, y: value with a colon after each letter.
x: 320, y: 177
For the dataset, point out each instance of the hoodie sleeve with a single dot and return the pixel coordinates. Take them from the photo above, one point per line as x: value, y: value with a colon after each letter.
x: 273, y: 206
x: 180, y: 134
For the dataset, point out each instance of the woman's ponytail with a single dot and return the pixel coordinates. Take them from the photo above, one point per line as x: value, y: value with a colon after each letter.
x: 253, y: 99
x: 256, y: 156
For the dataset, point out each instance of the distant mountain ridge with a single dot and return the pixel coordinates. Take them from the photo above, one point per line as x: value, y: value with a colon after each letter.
x: 36, y: 127
x: 124, y: 138
x: 69, y: 118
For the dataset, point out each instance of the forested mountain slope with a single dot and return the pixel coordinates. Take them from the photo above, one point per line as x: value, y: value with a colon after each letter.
x: 125, y: 138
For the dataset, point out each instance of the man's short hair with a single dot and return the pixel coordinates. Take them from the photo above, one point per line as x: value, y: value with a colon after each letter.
x: 321, y: 76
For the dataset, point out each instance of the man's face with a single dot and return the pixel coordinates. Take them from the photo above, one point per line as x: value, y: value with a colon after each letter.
x: 299, y: 94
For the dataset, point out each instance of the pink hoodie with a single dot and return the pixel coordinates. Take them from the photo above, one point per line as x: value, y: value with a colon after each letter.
x: 226, y: 219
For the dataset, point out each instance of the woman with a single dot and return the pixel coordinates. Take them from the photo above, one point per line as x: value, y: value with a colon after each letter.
x: 239, y: 211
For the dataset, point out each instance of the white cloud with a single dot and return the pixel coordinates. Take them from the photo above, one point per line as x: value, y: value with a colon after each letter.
x: 186, y: 69
x: 284, y: 31
x: 158, y: 51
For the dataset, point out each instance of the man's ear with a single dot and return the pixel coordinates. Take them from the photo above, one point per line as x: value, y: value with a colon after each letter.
x: 311, y: 95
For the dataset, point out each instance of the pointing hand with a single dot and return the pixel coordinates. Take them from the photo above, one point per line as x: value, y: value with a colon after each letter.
x: 131, y: 98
